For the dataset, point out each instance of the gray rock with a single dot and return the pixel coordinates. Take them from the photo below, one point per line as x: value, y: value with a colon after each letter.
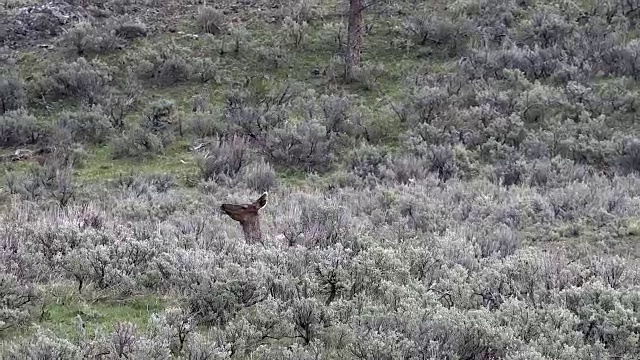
x: 39, y: 22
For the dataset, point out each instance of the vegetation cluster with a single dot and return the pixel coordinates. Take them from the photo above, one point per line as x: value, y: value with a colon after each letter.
x: 472, y: 192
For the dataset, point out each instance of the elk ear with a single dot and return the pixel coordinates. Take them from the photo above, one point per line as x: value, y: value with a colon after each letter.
x: 262, y: 201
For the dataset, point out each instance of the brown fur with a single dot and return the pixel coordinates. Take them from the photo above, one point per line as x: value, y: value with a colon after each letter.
x: 248, y: 216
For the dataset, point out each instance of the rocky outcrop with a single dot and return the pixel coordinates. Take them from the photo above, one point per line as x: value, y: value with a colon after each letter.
x: 40, y: 22
x: 37, y: 155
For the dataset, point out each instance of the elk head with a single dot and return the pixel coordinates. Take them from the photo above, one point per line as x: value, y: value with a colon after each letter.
x: 248, y: 216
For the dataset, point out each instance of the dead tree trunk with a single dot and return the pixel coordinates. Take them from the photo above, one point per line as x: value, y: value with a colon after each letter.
x: 355, y: 33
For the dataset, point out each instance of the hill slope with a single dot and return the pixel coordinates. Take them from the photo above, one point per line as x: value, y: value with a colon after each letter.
x: 472, y: 194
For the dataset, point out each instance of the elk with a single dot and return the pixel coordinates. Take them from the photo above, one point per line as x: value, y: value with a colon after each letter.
x: 248, y: 216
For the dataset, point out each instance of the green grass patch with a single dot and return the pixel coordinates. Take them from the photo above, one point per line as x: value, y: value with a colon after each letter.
x: 62, y: 306
x: 102, y: 166
x: 60, y: 317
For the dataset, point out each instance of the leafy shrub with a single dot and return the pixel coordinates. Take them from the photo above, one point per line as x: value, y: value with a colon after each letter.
x: 12, y: 94
x: 167, y: 66
x: 273, y: 57
x: 119, y: 103
x: 240, y: 37
x: 536, y: 63
x: 210, y: 20
x: 228, y: 159
x: 159, y: 120
x: 608, y: 304
x: 206, y: 70
x: 201, y: 347
x: 627, y: 59
x: 85, y: 81
x: 44, y: 344
x: 129, y: 28
x: 161, y: 182
x: 422, y: 105
x: 259, y: 176
x: 313, y: 223
x: 203, y: 125
x: 547, y: 28
x: 614, y: 98
x: 368, y: 75
x: 217, y: 301
x: 18, y: 127
x: 90, y: 127
x: 296, y: 32
x: 84, y: 39
x: 253, y: 116
x: 496, y: 19
x: 124, y: 339
x: 53, y: 180
x: 509, y: 173
x: 304, y: 146
x: 225, y: 159
x: 18, y: 301
x: 443, y: 162
x: 368, y: 161
x: 311, y: 144
x: 405, y: 168
x: 446, y: 32
x: 594, y: 44
x: 201, y: 104
x: 308, y: 318
x: 136, y: 143
x: 502, y: 241
x: 301, y: 11
x: 629, y: 158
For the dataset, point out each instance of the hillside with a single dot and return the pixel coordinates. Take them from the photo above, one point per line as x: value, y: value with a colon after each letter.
x: 472, y: 193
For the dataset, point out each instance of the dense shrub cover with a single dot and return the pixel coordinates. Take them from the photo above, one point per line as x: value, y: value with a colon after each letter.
x: 474, y: 193
x: 457, y: 269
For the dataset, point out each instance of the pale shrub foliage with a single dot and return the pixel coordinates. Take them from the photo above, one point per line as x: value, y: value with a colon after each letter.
x: 413, y: 262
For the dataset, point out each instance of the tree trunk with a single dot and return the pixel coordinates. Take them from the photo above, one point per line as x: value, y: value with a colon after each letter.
x: 355, y: 32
